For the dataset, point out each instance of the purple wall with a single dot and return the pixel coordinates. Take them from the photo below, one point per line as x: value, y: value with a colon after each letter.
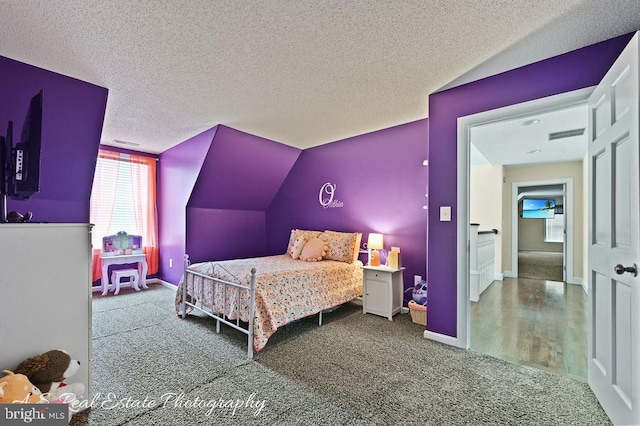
x: 215, y: 234
x: 242, y: 171
x: 571, y: 71
x: 73, y: 114
x: 381, y: 181
x: 238, y: 180
x: 231, y: 179
x: 178, y: 171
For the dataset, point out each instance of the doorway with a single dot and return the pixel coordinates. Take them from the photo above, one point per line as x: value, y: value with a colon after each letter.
x: 541, y: 240
x: 543, y: 247
x: 525, y: 319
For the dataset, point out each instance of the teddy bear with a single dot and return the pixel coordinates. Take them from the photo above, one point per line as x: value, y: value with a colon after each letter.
x: 49, y: 370
x: 17, y: 389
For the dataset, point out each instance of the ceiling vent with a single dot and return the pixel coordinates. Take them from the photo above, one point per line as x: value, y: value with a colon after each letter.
x: 125, y: 142
x: 566, y: 134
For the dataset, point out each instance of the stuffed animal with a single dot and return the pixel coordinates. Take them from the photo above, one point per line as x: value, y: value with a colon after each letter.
x: 49, y: 370
x: 420, y: 293
x: 17, y: 389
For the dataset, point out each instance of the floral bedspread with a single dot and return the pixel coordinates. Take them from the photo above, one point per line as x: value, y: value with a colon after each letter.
x: 286, y: 289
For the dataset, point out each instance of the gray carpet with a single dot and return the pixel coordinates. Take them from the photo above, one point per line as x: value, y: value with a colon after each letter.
x: 541, y: 265
x: 353, y: 370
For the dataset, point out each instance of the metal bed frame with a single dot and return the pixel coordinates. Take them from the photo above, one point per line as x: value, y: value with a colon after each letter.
x: 222, y: 318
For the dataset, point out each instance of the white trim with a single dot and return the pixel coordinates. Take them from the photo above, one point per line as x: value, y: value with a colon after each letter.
x: 443, y: 338
x: 463, y: 242
x: 464, y: 124
x: 499, y: 277
x: 164, y: 283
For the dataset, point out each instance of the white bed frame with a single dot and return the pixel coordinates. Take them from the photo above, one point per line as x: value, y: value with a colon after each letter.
x: 221, y: 318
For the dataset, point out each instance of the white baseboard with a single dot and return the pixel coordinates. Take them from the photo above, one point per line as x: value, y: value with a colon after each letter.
x: 404, y: 310
x: 580, y: 281
x: 508, y: 274
x: 499, y: 277
x: 164, y: 283
x: 442, y: 338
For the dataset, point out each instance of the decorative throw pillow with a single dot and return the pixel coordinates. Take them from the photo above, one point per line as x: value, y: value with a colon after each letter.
x: 296, y: 248
x: 343, y: 246
x: 306, y: 234
x: 314, y: 250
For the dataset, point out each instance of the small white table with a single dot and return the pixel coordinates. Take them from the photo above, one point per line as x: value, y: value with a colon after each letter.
x: 140, y: 259
x: 382, y: 291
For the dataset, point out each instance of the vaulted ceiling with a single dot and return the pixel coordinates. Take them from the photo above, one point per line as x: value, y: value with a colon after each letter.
x: 302, y: 73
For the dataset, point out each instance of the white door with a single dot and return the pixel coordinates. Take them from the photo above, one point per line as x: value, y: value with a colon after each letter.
x: 614, y: 239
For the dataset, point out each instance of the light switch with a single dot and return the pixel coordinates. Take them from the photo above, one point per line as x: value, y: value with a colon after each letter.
x: 445, y: 213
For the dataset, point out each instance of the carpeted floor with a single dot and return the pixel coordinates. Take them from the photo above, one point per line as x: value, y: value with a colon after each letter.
x: 151, y: 367
x: 540, y: 265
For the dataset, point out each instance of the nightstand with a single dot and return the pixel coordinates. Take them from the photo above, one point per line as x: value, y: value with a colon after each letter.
x: 382, y: 291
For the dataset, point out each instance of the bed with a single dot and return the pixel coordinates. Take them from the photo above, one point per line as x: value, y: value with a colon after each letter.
x: 256, y: 296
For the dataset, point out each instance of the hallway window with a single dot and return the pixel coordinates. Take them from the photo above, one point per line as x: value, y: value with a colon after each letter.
x: 554, y: 229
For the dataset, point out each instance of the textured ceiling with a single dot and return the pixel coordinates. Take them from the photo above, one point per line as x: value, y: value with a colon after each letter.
x: 302, y: 73
x: 525, y: 139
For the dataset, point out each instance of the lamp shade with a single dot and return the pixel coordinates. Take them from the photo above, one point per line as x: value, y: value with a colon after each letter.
x: 375, y: 242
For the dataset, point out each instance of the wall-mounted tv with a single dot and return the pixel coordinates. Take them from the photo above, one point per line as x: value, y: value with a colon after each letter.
x: 538, y: 209
x: 20, y: 165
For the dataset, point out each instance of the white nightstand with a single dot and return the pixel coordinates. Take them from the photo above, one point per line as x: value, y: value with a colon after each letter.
x: 382, y: 291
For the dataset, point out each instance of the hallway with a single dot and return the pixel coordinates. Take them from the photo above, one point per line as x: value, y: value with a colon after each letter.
x: 533, y: 322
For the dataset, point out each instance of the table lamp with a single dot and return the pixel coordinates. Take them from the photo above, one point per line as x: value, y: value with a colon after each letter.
x: 374, y: 243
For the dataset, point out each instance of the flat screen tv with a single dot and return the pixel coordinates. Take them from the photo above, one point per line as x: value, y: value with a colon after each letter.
x: 538, y: 209
x: 20, y: 165
x: 26, y: 155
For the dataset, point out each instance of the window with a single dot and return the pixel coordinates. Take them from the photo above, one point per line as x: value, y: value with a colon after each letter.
x: 554, y: 229
x: 123, y: 198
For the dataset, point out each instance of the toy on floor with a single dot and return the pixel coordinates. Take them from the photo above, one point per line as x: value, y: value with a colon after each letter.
x: 419, y: 293
x: 17, y: 389
x: 49, y: 370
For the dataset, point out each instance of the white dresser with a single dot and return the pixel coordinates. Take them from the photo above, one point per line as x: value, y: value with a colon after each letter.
x: 45, y: 289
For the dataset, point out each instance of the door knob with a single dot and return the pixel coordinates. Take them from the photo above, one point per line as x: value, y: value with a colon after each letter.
x: 622, y: 269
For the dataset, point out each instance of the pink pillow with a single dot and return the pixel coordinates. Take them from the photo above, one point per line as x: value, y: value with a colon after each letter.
x: 296, y: 248
x: 314, y: 250
x: 305, y: 233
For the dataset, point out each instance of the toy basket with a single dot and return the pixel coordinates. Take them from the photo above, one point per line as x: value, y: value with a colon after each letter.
x: 418, y: 313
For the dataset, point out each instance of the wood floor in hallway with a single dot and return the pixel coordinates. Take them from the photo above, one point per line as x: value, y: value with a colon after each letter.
x: 533, y: 322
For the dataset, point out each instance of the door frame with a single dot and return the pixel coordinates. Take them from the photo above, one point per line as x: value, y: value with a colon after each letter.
x: 550, y: 103
x: 569, y: 220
